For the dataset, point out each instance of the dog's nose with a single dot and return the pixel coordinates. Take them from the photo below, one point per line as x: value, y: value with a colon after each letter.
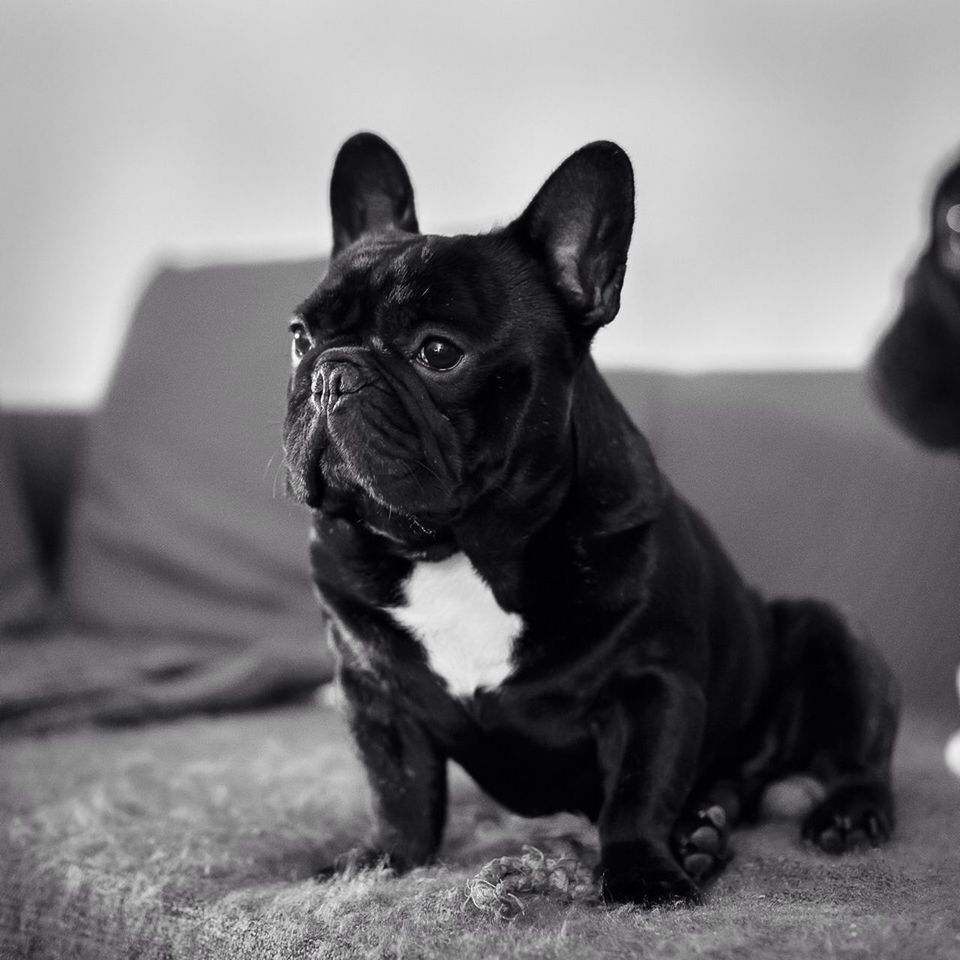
x: 334, y: 379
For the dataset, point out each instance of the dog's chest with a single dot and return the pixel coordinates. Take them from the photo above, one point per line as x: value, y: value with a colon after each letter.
x: 467, y: 636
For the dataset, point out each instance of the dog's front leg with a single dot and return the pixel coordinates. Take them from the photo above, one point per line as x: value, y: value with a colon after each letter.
x: 407, y: 775
x: 648, y: 745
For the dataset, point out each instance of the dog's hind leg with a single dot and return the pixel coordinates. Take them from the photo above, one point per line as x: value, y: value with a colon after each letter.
x: 845, y: 703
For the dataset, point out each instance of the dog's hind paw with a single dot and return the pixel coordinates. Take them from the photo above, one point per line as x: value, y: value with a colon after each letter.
x: 851, y: 818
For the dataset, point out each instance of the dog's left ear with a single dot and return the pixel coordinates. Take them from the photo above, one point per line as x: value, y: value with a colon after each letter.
x: 579, y: 225
x: 370, y: 191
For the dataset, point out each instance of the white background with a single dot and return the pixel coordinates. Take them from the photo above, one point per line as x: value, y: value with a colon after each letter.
x: 783, y: 151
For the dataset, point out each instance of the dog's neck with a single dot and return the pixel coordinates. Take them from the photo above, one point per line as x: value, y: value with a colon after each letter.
x: 616, y: 481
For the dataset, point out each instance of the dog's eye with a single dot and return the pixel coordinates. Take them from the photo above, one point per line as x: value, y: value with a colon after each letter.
x: 301, y: 343
x: 950, y: 242
x: 953, y: 218
x: 439, y: 354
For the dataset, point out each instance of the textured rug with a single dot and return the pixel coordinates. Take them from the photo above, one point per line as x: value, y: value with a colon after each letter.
x: 199, y: 838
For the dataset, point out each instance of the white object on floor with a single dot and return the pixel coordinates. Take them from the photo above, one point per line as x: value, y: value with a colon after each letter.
x: 952, y: 752
x: 791, y: 798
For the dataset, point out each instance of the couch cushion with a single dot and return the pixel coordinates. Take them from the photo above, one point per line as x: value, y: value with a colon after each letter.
x: 181, y: 528
x: 24, y: 600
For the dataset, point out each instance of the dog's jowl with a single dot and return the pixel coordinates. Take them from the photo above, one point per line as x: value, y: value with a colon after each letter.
x: 514, y: 584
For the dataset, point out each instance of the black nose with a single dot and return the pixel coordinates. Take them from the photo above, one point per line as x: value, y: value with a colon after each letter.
x: 335, y: 378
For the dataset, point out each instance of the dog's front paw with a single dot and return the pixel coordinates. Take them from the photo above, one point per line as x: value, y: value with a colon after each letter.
x: 357, y: 859
x: 633, y: 873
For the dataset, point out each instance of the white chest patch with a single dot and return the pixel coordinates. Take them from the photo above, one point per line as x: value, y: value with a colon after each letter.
x: 467, y: 635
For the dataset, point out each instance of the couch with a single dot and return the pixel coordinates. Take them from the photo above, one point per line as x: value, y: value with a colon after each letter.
x: 169, y: 782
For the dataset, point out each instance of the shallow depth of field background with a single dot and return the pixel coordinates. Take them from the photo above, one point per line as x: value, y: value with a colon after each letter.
x: 783, y: 154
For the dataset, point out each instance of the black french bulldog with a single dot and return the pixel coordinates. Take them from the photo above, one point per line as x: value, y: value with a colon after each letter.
x: 512, y: 582
x: 916, y: 366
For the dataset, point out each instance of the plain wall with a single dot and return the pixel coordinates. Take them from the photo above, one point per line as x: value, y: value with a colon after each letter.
x: 783, y: 153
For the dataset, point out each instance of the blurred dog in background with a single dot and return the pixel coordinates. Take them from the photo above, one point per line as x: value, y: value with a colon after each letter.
x: 916, y: 366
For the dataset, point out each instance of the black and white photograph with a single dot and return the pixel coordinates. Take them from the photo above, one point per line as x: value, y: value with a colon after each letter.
x: 479, y: 480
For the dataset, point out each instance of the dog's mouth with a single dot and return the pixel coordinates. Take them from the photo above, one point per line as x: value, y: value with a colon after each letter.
x: 366, y: 454
x: 325, y: 482
x: 391, y: 487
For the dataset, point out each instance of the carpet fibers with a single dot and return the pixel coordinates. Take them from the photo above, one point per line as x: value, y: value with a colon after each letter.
x: 199, y: 839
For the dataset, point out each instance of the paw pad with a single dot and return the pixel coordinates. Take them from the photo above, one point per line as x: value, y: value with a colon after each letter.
x: 702, y: 841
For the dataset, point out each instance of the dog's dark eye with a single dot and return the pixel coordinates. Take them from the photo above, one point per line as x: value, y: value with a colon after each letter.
x: 301, y: 343
x: 950, y: 241
x: 439, y: 354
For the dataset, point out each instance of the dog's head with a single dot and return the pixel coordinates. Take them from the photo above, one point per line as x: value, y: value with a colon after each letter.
x: 916, y: 367
x: 430, y: 372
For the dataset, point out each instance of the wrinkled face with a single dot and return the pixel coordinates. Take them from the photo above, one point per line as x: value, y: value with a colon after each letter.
x: 433, y: 377
x: 427, y: 373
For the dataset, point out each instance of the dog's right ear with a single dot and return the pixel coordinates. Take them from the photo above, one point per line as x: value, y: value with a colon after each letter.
x: 370, y: 191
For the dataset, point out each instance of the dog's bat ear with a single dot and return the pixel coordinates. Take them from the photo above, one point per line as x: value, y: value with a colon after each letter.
x: 579, y: 225
x: 370, y: 191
